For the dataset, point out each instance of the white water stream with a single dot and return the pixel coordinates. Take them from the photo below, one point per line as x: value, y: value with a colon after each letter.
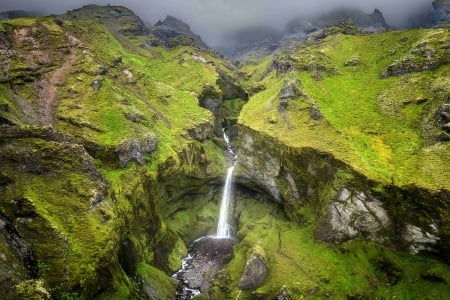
x: 223, y: 227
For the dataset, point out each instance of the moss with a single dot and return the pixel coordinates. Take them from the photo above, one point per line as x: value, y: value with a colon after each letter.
x: 314, y: 270
x: 156, y: 282
x: 383, y: 139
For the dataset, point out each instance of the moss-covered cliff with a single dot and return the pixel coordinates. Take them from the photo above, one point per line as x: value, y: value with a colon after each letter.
x: 110, y: 165
x: 95, y: 126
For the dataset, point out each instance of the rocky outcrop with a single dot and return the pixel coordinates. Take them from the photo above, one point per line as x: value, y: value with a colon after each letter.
x: 255, y: 270
x: 429, y: 53
x: 351, y: 214
x: 134, y: 149
x: 356, y: 207
x: 172, y: 32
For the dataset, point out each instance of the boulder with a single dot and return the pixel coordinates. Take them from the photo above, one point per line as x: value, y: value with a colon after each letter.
x: 255, y: 270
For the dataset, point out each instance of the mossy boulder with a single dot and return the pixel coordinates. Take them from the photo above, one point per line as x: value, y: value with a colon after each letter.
x: 255, y: 270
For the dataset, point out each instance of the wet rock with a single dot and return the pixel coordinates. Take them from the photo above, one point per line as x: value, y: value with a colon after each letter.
x: 419, y: 240
x: 134, y: 149
x: 206, y: 257
x: 353, y: 213
x: 255, y: 270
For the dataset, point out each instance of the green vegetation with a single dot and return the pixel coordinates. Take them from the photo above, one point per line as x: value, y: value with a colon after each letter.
x: 352, y: 109
x: 313, y: 270
x: 375, y: 125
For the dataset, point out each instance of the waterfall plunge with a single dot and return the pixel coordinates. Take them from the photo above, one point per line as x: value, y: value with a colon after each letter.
x: 223, y: 228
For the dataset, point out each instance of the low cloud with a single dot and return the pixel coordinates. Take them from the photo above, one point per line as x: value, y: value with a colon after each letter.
x: 212, y: 19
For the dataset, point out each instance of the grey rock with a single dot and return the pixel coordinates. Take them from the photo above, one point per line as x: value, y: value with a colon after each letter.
x: 289, y: 91
x: 257, y: 169
x: 211, y: 99
x: 134, y: 149
x: 419, y: 240
x: 255, y: 271
x: 353, y: 213
x: 315, y: 113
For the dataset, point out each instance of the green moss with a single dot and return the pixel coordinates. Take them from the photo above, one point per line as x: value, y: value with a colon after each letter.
x: 383, y: 137
x: 158, y: 283
x: 314, y: 270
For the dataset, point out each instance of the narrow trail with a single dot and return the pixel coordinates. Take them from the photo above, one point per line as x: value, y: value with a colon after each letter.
x: 47, y: 93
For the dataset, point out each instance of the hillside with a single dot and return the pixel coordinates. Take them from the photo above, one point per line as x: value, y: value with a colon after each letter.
x: 112, y: 161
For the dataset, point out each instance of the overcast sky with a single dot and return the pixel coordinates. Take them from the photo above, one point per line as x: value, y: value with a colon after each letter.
x: 211, y: 18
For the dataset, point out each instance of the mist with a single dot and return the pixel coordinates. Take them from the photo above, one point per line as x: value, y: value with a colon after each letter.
x: 213, y: 19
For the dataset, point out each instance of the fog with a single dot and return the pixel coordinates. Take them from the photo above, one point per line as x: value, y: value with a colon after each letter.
x: 214, y: 18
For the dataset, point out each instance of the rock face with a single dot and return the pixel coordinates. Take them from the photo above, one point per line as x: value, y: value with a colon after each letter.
x: 255, y: 270
x: 351, y: 214
x: 430, y: 53
x: 172, y: 32
x: 134, y: 149
x: 355, y: 208
x: 419, y: 240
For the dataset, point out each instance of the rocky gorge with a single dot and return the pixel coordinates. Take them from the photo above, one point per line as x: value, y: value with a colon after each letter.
x: 113, y: 163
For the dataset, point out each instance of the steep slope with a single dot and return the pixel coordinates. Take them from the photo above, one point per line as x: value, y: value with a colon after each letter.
x: 95, y: 124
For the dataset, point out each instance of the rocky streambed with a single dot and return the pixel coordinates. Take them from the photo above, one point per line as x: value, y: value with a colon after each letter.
x: 206, y: 257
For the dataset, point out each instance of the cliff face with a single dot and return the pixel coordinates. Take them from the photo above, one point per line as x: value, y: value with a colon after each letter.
x: 94, y: 126
x: 110, y: 168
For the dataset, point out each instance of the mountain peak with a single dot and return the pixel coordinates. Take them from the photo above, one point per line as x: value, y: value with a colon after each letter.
x: 172, y: 32
x: 120, y: 18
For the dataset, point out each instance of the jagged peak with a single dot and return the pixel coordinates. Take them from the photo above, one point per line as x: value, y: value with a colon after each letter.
x: 172, y: 31
x: 175, y: 24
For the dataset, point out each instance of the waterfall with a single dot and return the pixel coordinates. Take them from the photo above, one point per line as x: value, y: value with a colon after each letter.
x: 223, y: 228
